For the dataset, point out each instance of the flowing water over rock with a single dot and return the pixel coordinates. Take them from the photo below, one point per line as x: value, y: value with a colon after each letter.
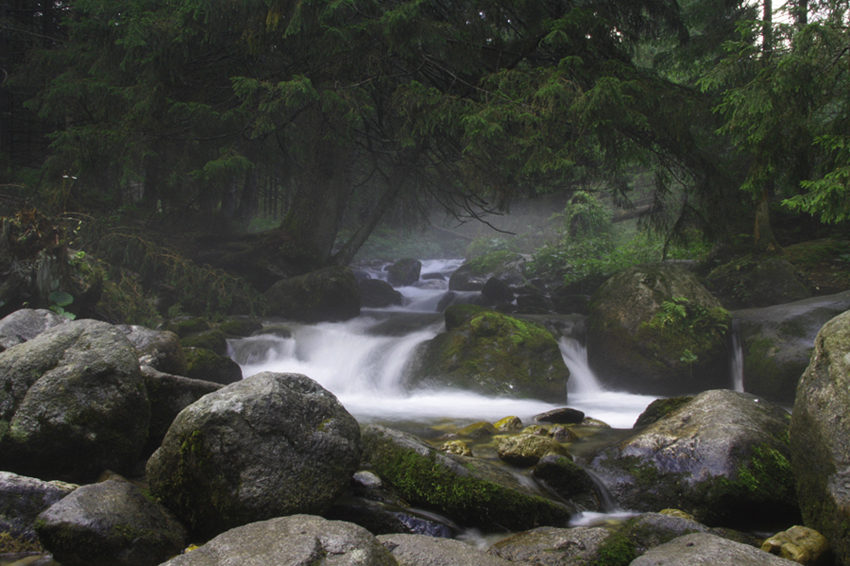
x: 363, y: 361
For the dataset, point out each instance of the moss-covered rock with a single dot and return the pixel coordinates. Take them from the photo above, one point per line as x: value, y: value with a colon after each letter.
x: 467, y: 490
x: 206, y: 365
x: 330, y: 293
x: 569, y: 480
x: 525, y: 450
x: 659, y: 409
x: 820, y: 437
x: 21, y: 500
x: 655, y: 328
x: 494, y: 354
x: 474, y: 274
x: 159, y: 349
x: 723, y: 457
x: 757, y: 281
x: 579, y: 546
x: 213, y: 339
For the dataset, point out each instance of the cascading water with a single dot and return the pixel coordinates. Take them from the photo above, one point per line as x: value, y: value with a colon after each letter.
x: 736, y: 363
x: 364, y: 361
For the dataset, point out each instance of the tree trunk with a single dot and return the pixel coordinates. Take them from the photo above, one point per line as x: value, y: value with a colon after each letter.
x: 765, y: 241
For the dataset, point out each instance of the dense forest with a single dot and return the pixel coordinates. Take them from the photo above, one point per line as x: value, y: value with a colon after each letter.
x: 167, y: 128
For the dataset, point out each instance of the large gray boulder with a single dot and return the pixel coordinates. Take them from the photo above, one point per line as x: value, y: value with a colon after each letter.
x: 72, y: 403
x: 159, y: 349
x: 267, y: 446
x: 378, y: 294
x: 21, y: 500
x: 300, y: 540
x: 654, y: 328
x: 579, y: 546
x: 110, y: 524
x: 330, y: 293
x: 820, y: 437
x: 493, y: 354
x: 776, y: 343
x: 404, y: 272
x: 419, y: 550
x: 26, y: 324
x: 703, y: 549
x: 470, y: 491
x: 723, y: 457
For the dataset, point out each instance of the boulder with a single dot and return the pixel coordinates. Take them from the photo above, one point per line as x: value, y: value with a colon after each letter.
x: 240, y: 327
x: 186, y: 325
x: 404, y: 272
x: 524, y: 450
x: 327, y: 294
x: 377, y: 294
x: 655, y: 329
x: 213, y: 339
x: 290, y: 541
x: 563, y: 415
x: 801, y: 544
x: 497, y: 291
x: 159, y: 349
x: 754, y: 281
x: 269, y: 445
x: 110, y: 524
x: 649, y: 530
x: 170, y: 394
x: 419, y: 550
x: 493, y: 354
x: 704, y: 549
x: 776, y: 343
x: 26, y: 324
x: 205, y: 365
x: 72, y: 403
x: 723, y: 457
x: 568, y: 480
x: 470, y: 491
x: 820, y: 437
x: 579, y: 546
x: 21, y: 500
x: 474, y: 274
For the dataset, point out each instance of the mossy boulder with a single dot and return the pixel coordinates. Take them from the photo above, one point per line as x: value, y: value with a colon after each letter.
x: 474, y: 274
x: 656, y: 329
x: 723, y: 457
x: 205, y: 365
x: 525, y: 450
x: 240, y: 327
x: 579, y: 546
x: 267, y: 446
x: 21, y: 500
x: 469, y: 491
x: 404, y: 272
x: 820, y: 437
x: 493, y: 354
x: 707, y: 548
x: 757, y: 281
x: 159, y: 349
x: 377, y: 294
x: 110, y: 523
x: 776, y: 343
x: 659, y: 409
x: 327, y: 294
x: 213, y: 339
x: 72, y: 403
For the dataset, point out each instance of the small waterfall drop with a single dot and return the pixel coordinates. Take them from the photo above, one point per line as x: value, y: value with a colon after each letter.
x: 582, y: 381
x: 736, y: 362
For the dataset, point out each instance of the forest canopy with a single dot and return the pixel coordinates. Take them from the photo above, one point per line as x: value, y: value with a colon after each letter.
x: 313, y: 112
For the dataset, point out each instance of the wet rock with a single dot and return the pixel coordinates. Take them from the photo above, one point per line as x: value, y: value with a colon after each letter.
x: 659, y: 409
x: 567, y: 479
x: 326, y: 294
x: 184, y: 326
x: 73, y: 402
x: 703, y: 549
x: 474, y: 274
x: 270, y: 445
x: 776, y: 343
x: 757, y: 282
x: 213, y: 339
x: 419, y: 550
x: 480, y: 429
x: 579, y: 546
x: 290, y: 541
x: 26, y: 324
x: 497, y: 291
x: 159, y: 349
x: 820, y: 437
x: 381, y: 518
x: 205, y: 365
x: 655, y: 329
x: 533, y: 303
x: 404, y: 272
x: 493, y: 354
x: 564, y: 415
x: 458, y: 447
x: 21, y: 500
x: 240, y: 328
x: 110, y: 523
x: 467, y: 490
x: 723, y: 457
x: 800, y: 544
x: 170, y: 394
x: 649, y: 530
x: 526, y: 450
x: 508, y: 424
x: 377, y: 294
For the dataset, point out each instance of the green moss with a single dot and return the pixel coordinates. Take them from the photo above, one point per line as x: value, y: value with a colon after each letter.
x: 793, y: 329
x: 660, y: 408
x: 617, y: 550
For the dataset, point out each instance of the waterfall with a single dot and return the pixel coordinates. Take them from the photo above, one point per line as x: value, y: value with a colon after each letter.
x: 582, y: 381
x: 736, y: 362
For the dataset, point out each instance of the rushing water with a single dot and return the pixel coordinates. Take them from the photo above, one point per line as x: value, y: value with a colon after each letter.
x: 363, y: 361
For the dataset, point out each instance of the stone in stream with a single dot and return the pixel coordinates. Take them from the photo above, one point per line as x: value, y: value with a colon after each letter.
x: 420, y: 550
x: 404, y: 272
x: 704, y: 549
x: 269, y: 445
x: 579, y: 546
x: 327, y: 294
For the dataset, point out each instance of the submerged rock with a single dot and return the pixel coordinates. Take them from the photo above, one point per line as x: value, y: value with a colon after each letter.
x: 110, y: 523
x: 72, y: 403
x: 820, y: 437
x: 467, y: 490
x: 270, y: 445
x: 723, y: 457
x: 655, y: 329
x: 290, y: 541
x: 493, y: 354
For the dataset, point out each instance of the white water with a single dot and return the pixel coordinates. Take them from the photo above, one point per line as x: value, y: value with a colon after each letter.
x: 365, y: 368
x: 737, y: 361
